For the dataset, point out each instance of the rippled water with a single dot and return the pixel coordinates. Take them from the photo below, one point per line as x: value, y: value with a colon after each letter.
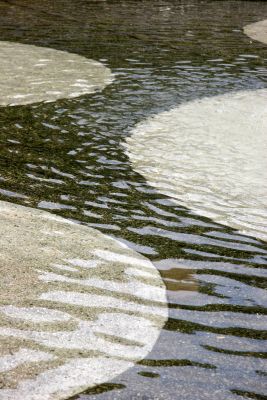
x: 68, y: 157
x: 79, y: 308
x: 210, y: 155
x: 31, y: 74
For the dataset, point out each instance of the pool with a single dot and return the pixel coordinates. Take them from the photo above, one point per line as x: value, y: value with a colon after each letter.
x: 68, y: 157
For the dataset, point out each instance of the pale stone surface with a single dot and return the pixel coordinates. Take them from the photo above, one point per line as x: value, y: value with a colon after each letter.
x: 30, y: 74
x: 257, y: 31
x: 210, y: 155
x: 77, y: 308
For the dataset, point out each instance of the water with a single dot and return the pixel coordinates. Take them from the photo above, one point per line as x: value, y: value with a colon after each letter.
x: 78, y: 309
x: 68, y: 157
x: 210, y: 155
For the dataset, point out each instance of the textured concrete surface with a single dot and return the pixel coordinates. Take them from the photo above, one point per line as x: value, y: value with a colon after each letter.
x: 77, y: 308
x: 210, y: 155
x: 30, y: 74
x: 257, y: 31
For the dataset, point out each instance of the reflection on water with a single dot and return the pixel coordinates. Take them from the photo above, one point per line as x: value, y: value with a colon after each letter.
x: 67, y: 157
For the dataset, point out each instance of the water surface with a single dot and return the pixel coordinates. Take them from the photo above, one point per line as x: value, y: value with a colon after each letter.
x: 67, y: 157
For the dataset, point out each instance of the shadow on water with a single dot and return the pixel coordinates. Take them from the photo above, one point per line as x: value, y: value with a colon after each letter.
x: 67, y: 157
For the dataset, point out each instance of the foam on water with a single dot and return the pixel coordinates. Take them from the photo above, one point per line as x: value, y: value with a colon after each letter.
x: 210, y: 155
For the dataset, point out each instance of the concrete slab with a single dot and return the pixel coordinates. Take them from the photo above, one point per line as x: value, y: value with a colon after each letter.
x: 77, y: 308
x: 210, y: 155
x: 30, y: 74
x: 257, y: 31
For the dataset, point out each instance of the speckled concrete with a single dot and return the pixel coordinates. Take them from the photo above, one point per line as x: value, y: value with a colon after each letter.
x: 77, y: 308
x: 210, y: 155
x: 30, y: 74
x: 257, y: 31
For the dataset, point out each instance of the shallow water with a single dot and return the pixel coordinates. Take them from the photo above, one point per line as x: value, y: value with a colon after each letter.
x: 31, y: 74
x: 77, y: 309
x: 68, y: 157
x: 210, y: 155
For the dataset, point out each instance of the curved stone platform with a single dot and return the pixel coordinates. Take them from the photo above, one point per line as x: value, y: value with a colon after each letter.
x: 77, y: 308
x: 257, y: 31
x: 30, y: 74
x: 210, y: 155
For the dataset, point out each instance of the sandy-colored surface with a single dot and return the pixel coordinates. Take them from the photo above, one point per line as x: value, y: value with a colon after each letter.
x: 257, y: 31
x: 76, y: 307
x: 30, y: 74
x: 210, y: 155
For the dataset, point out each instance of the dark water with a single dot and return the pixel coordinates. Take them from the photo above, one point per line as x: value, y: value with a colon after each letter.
x: 67, y: 157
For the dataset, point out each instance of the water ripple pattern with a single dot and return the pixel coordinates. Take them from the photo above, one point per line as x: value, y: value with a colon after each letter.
x: 210, y: 155
x: 30, y: 74
x: 67, y: 157
x: 77, y: 308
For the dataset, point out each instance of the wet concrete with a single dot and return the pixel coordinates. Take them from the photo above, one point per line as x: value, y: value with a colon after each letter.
x: 257, y: 31
x: 76, y: 307
x: 210, y: 155
x: 30, y: 74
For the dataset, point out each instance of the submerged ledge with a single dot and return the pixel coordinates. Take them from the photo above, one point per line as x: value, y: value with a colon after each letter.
x: 210, y: 156
x: 77, y: 307
x: 257, y: 31
x: 30, y: 74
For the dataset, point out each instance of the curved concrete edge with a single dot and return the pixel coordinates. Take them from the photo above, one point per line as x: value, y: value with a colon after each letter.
x: 77, y: 307
x: 209, y: 155
x: 257, y: 31
x: 31, y: 74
